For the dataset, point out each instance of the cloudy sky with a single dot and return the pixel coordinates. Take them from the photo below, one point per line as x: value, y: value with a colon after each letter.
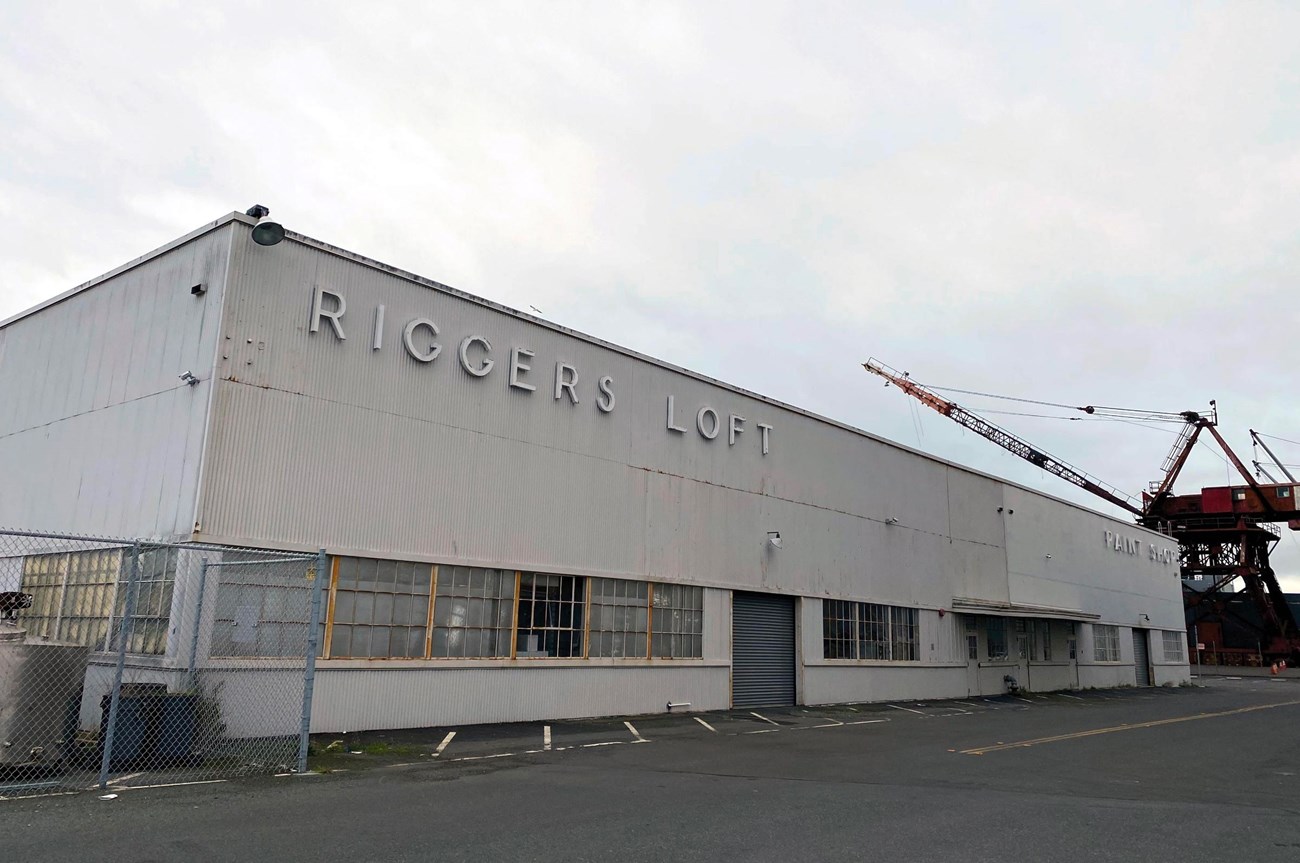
x: 1083, y: 203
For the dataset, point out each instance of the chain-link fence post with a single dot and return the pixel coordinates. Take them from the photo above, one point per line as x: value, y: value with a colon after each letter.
x: 123, y: 638
x: 313, y: 647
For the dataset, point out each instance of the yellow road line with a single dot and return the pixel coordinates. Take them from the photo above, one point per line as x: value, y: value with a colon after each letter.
x: 1035, y: 742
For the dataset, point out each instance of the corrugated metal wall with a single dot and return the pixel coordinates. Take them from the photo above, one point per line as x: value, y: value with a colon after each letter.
x: 414, y: 697
x: 316, y: 437
x: 96, y: 429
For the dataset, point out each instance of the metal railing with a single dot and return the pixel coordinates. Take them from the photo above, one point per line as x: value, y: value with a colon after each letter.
x: 128, y: 662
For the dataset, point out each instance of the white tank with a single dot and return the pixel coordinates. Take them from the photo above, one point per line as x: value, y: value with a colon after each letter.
x: 40, y: 697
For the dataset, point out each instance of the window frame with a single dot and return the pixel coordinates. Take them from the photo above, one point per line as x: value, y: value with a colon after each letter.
x: 1178, y: 640
x: 1105, y: 643
x: 883, y: 623
x: 685, y: 636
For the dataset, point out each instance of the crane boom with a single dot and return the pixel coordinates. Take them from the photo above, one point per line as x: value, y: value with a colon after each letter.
x: 1002, y: 437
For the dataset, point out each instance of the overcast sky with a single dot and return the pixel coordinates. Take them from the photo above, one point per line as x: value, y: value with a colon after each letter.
x: 1084, y: 203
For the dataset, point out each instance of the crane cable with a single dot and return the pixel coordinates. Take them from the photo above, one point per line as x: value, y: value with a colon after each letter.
x: 1154, y: 416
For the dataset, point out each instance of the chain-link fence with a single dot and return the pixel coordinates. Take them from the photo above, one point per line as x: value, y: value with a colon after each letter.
x: 132, y: 662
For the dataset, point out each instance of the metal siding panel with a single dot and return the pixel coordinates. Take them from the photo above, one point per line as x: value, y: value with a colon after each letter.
x: 321, y: 441
x: 94, y: 424
x: 425, y: 695
x: 762, y: 670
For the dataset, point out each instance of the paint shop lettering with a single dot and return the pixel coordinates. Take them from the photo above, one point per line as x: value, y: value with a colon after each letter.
x: 423, y: 341
x: 1126, y: 545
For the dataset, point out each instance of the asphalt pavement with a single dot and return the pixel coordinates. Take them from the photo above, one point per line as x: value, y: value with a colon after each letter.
x: 1191, y: 774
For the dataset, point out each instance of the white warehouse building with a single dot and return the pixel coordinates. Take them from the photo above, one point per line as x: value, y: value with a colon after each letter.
x: 525, y: 522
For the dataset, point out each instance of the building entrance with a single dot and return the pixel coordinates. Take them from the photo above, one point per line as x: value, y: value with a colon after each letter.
x: 762, y: 650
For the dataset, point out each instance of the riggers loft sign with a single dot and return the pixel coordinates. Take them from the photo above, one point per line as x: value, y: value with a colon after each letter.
x: 474, y: 354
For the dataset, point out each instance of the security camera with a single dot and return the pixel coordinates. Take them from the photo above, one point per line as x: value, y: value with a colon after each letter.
x: 189, y: 378
x: 774, y: 537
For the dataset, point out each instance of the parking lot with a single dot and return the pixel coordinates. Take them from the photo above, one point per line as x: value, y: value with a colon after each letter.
x: 1187, y: 774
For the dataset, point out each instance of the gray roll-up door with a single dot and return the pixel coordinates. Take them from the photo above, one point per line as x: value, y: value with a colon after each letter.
x: 762, y: 644
x: 1141, y: 661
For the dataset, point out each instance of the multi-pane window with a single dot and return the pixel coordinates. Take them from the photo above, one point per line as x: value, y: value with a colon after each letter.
x: 865, y: 630
x: 904, y: 634
x: 995, y: 635
x: 473, y: 612
x: 153, y: 601
x: 1105, y: 643
x: 620, y: 617
x: 72, y: 595
x: 677, y: 621
x: 1042, y: 645
x: 551, y: 619
x: 261, y: 607
x: 839, y: 629
x: 1174, y: 646
x: 381, y: 608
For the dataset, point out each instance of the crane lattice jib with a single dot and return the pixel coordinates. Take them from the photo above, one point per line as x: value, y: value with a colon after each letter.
x: 1002, y: 437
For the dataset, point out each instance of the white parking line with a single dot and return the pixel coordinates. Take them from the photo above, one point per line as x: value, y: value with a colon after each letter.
x: 834, y: 723
x: 605, y: 743
x: 909, y: 710
x: 443, y: 744
x: 764, y: 731
x: 968, y: 704
x: 764, y: 718
x: 866, y: 722
x: 635, y: 733
x: 1075, y: 697
x: 706, y: 725
x: 483, y: 757
x: 546, y: 737
x: 172, y: 784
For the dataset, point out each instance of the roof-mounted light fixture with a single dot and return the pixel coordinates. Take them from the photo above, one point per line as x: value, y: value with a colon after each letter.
x: 265, y: 232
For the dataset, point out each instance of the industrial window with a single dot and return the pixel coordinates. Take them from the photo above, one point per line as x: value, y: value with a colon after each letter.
x: 473, y: 612
x: 903, y: 638
x: 262, y: 605
x: 839, y: 629
x: 620, y: 617
x: 995, y: 630
x: 1174, y: 646
x: 551, y: 615
x: 865, y: 630
x: 677, y: 621
x: 1105, y: 643
x: 381, y: 608
x: 1238, y: 494
x: 1284, y: 491
x: 972, y: 647
x: 153, y: 601
x: 1042, y: 648
x: 72, y: 595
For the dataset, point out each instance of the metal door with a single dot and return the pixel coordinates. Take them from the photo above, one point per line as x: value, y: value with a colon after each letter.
x: 762, y: 650
x: 1141, y: 660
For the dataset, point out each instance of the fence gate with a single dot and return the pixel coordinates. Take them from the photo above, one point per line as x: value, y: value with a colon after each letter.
x: 762, y: 650
x: 129, y: 662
